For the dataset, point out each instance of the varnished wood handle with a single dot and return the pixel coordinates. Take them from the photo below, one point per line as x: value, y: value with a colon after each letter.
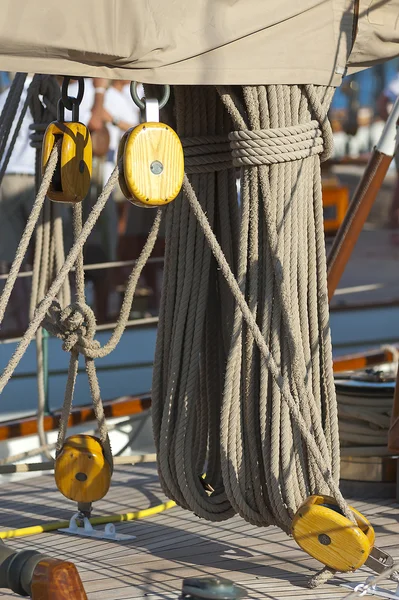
x: 57, y: 580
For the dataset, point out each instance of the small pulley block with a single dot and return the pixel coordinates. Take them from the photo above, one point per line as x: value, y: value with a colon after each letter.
x: 81, y: 470
x: 151, y: 157
x: 72, y: 176
x: 321, y: 530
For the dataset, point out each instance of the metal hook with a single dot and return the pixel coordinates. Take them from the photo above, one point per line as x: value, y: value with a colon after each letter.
x: 141, y: 103
x: 70, y: 102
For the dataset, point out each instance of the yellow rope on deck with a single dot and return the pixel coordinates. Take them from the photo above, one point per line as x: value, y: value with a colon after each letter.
x: 53, y: 526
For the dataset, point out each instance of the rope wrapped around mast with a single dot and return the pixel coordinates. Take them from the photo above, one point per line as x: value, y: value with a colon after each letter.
x: 244, y: 406
x: 206, y: 154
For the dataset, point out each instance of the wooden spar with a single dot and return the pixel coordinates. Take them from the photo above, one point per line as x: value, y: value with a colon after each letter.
x: 362, y: 201
x: 355, y: 362
x: 393, y: 433
x: 122, y: 407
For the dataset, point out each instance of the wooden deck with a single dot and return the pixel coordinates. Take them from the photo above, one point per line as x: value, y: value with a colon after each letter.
x: 175, y: 544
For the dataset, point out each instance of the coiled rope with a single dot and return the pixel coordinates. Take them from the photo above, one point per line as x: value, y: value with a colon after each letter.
x: 246, y: 393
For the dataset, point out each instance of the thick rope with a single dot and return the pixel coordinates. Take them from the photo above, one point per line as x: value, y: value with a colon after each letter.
x: 322, y: 577
x: 277, y: 423
x: 45, y: 304
x: 82, y: 317
x: 281, y: 383
x: 364, y: 418
x: 207, y: 154
x: 49, y: 235
x: 58, y: 322
x: 242, y: 392
x: 28, y: 232
x: 195, y: 308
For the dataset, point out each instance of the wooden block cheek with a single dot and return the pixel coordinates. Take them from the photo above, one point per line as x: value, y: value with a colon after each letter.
x: 121, y: 151
x: 72, y: 181
x: 81, y: 471
x: 153, y: 164
x: 346, y: 547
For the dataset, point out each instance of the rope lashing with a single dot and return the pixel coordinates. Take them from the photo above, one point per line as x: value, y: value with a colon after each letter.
x: 75, y: 325
x: 272, y: 146
x: 207, y: 154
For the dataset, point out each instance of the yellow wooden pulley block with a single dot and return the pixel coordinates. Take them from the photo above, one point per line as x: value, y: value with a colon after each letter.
x: 152, y: 164
x: 325, y: 533
x: 81, y: 471
x: 71, y: 179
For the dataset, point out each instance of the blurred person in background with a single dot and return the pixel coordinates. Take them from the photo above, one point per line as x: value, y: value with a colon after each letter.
x: 17, y: 195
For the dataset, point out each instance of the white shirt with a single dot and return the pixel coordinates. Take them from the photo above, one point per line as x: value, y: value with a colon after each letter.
x: 121, y: 107
x: 119, y: 104
x: 22, y: 160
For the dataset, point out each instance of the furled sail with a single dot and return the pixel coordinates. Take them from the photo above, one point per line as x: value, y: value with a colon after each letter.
x: 201, y: 42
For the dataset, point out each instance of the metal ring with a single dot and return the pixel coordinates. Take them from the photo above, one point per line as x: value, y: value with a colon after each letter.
x: 139, y: 102
x: 71, y: 101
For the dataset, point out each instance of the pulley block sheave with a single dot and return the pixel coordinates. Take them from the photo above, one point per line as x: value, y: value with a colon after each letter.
x: 321, y: 530
x: 150, y: 157
x: 82, y: 473
x: 72, y: 176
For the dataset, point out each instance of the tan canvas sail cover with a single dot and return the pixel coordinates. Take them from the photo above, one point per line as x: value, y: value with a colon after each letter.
x: 197, y: 41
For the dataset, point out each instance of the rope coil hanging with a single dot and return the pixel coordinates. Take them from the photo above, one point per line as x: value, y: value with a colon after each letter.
x: 278, y: 249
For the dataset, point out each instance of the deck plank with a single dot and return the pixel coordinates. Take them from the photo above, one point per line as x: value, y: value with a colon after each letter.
x: 174, y: 544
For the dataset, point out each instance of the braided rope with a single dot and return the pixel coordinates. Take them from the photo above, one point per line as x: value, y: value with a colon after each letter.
x: 276, y: 418
x: 244, y: 147
x: 48, y: 239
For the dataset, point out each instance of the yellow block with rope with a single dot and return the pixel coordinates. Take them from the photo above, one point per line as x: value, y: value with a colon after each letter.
x: 151, y: 158
x: 153, y: 165
x: 71, y: 180
x: 81, y: 470
x: 322, y: 531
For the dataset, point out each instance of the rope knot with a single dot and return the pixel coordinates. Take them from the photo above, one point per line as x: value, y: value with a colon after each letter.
x: 75, y: 325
